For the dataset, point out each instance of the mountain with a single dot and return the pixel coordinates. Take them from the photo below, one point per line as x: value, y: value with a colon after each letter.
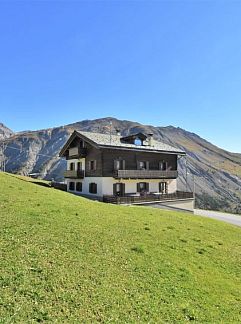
x: 5, y: 132
x: 216, y: 172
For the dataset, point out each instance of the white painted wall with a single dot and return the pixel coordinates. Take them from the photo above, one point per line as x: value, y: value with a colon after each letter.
x: 105, y: 185
x: 85, y: 185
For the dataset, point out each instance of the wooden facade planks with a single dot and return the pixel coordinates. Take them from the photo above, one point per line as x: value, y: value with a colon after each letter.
x: 132, y: 158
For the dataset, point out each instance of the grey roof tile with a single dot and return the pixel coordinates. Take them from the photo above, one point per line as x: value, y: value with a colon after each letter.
x: 114, y: 141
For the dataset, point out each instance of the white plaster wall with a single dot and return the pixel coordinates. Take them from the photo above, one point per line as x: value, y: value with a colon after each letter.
x: 85, y: 185
x: 172, y: 186
x: 87, y: 181
x: 105, y: 185
x: 131, y: 185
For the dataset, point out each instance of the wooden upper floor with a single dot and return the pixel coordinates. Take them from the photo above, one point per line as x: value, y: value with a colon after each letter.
x: 120, y: 161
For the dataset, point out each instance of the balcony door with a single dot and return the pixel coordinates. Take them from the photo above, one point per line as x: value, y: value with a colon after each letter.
x: 79, y: 166
x: 119, y: 164
x: 163, y: 166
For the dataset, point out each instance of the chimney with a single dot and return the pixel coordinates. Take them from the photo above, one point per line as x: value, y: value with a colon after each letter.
x: 150, y: 139
x: 118, y: 133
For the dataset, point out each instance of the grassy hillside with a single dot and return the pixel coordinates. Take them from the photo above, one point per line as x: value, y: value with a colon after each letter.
x: 66, y: 259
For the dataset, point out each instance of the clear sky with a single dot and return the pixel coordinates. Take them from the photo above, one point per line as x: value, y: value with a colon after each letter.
x: 161, y: 63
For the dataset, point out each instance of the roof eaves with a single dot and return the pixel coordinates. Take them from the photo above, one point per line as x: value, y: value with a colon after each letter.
x: 141, y: 149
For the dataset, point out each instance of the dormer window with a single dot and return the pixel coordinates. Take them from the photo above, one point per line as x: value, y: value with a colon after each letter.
x: 138, y: 141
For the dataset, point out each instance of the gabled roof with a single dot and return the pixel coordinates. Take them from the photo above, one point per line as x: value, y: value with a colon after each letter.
x: 100, y: 140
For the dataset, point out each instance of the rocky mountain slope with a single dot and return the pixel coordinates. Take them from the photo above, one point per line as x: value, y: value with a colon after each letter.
x: 5, y: 132
x: 216, y: 172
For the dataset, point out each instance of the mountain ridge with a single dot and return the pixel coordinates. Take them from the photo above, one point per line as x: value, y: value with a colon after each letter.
x: 217, y: 172
x: 5, y: 132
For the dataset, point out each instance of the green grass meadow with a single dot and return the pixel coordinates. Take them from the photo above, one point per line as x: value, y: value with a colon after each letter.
x: 65, y: 259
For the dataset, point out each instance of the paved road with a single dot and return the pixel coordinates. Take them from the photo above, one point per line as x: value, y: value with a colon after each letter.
x: 228, y: 218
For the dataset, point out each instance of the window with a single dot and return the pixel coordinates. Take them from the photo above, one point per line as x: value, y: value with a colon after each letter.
x: 92, y: 165
x: 163, y: 166
x: 142, y: 187
x: 163, y: 187
x: 138, y: 141
x: 79, y: 186
x: 118, y: 189
x: 71, y: 186
x: 93, y: 188
x: 72, y: 166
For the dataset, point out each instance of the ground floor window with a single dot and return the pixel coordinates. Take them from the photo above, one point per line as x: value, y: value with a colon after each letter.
x: 93, y: 188
x: 142, y: 187
x: 119, y: 189
x: 163, y: 187
x: 71, y: 185
x: 79, y: 186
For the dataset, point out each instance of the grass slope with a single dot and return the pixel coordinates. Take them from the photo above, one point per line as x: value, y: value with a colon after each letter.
x: 66, y: 259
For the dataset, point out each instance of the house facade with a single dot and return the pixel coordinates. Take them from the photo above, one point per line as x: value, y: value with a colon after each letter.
x: 131, y: 169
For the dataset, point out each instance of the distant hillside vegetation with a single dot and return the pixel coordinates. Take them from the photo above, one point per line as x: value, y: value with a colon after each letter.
x: 217, y: 172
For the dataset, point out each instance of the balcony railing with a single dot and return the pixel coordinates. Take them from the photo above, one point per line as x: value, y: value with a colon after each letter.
x: 77, y: 152
x: 134, y: 199
x: 74, y: 174
x: 145, y: 174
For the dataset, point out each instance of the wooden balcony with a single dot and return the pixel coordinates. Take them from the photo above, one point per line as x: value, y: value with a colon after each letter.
x: 74, y: 174
x: 145, y: 174
x: 134, y: 199
x: 77, y: 152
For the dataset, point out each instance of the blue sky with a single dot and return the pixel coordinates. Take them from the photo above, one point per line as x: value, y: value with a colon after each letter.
x: 162, y: 63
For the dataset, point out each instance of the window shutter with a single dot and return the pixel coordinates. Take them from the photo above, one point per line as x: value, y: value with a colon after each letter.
x: 138, y: 165
x: 164, y: 166
x: 114, y: 189
x: 123, y: 189
x: 115, y: 165
x: 166, y: 187
x: 89, y: 165
x: 147, y: 165
x: 123, y: 164
x: 95, y: 164
x: 147, y: 186
x: 160, y: 165
x: 138, y: 187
